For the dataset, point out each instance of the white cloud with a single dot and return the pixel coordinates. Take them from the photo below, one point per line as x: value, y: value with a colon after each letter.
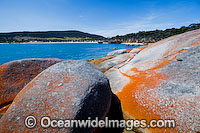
x: 134, y: 25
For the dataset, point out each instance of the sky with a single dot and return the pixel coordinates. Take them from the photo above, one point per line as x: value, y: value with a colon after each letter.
x: 103, y: 17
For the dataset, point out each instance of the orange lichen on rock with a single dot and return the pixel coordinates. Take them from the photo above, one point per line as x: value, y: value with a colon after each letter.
x: 196, y: 43
x: 161, y: 82
x: 100, y: 60
x: 140, y: 84
x: 129, y: 50
x: 142, y: 47
x: 3, y: 110
x: 15, y: 75
x: 62, y: 91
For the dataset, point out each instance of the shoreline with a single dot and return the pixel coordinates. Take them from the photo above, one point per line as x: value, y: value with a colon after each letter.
x: 46, y: 42
x: 97, y: 42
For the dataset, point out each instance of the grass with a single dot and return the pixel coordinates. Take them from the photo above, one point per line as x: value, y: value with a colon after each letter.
x: 50, y: 39
x: 68, y: 38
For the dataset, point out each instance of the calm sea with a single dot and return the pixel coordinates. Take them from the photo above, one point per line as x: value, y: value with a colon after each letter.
x: 75, y: 51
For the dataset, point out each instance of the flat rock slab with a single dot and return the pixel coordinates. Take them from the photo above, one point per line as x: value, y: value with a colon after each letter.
x: 66, y: 90
x: 15, y: 75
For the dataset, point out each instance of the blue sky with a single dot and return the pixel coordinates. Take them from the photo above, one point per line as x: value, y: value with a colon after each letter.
x: 103, y: 17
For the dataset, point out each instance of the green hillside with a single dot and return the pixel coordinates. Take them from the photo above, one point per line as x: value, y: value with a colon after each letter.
x: 155, y: 35
x: 53, y: 36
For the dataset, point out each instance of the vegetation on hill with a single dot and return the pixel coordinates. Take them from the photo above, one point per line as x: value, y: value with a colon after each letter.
x: 49, y: 36
x: 154, y: 36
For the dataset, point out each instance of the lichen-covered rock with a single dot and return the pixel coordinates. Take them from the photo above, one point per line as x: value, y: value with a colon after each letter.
x: 137, y: 50
x: 118, y: 52
x: 115, y: 58
x: 66, y: 90
x: 15, y: 75
x: 105, y: 65
x: 99, y: 60
x: 162, y: 82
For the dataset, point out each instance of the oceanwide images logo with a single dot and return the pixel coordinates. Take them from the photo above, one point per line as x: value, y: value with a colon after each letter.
x: 46, y: 122
x: 30, y: 121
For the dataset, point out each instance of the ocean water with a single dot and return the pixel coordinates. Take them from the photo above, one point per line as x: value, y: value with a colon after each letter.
x: 74, y: 51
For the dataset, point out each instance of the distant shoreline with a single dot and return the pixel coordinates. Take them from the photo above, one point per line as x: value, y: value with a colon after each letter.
x: 46, y: 42
x: 125, y: 43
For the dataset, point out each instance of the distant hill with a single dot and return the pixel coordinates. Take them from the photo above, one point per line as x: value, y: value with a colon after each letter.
x: 52, y: 36
x: 155, y: 35
x: 64, y: 36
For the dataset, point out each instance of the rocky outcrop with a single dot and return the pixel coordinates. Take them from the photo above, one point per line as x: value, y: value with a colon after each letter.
x: 66, y: 90
x: 137, y: 50
x: 162, y: 82
x: 118, y: 52
x: 118, y: 58
x: 105, y: 65
x: 100, y: 60
x: 15, y: 75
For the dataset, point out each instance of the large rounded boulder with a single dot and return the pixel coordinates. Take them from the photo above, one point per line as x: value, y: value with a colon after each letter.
x: 162, y: 82
x: 66, y: 90
x: 15, y: 75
